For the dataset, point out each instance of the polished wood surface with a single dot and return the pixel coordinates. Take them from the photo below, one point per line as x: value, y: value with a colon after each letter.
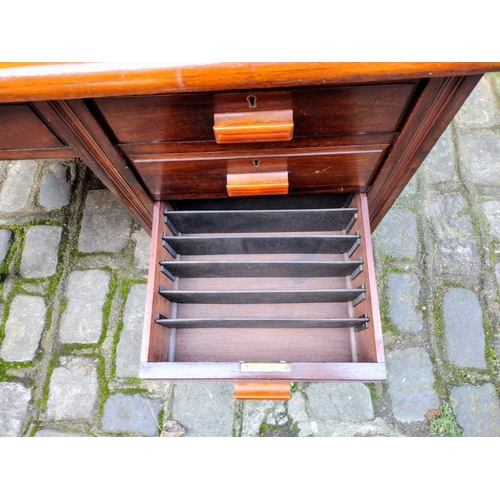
x: 300, y: 372
x: 80, y: 80
x: 21, y: 128
x: 156, y: 339
x: 147, y: 131
x: 346, y: 168
x: 320, y: 112
x: 369, y: 342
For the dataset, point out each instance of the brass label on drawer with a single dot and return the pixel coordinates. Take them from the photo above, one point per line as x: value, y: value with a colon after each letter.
x: 282, y: 366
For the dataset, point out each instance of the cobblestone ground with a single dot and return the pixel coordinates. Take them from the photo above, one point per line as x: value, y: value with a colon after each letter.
x: 72, y: 305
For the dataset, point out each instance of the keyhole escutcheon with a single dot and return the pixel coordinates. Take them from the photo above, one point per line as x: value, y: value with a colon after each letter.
x: 252, y: 101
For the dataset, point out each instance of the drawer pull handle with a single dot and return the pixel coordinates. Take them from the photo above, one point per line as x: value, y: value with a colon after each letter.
x: 256, y: 126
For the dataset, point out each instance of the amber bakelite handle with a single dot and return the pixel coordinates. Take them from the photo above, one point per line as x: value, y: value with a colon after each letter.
x: 254, y: 126
x: 261, y: 183
x: 273, y: 391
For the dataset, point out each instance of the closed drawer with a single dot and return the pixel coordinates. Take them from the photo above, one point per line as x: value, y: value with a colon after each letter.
x: 317, y: 112
x: 22, y: 129
x: 278, y: 288
x: 349, y: 168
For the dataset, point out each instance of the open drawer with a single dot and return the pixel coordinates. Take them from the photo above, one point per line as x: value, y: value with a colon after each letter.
x: 269, y: 288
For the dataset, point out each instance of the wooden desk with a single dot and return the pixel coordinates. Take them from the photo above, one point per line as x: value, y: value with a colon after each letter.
x: 346, y: 136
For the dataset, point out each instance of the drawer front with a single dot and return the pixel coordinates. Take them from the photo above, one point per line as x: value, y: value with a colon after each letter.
x: 21, y: 129
x: 271, y: 307
x: 317, y: 112
x: 348, y: 168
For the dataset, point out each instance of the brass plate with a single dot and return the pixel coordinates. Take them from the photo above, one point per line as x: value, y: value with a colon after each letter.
x: 281, y: 367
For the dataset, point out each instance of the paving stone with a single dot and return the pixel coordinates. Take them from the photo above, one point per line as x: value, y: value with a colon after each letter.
x: 131, y: 414
x: 128, y: 350
x: 256, y: 413
x: 86, y: 294
x: 411, y: 188
x: 17, y: 186
x: 480, y: 155
x: 480, y: 109
x: 477, y: 410
x: 457, y: 252
x: 297, y: 410
x: 55, y: 187
x: 40, y: 253
x: 403, y: 290
x: 491, y: 210
x: 14, y: 400
x: 397, y: 234
x: 24, y: 328
x: 439, y: 166
x: 5, y: 237
x: 338, y: 402
x: 73, y: 389
x: 495, y: 80
x: 106, y: 223
x: 374, y: 428
x: 54, y: 433
x: 410, y: 380
x: 142, y: 247
x: 204, y: 408
x: 463, y: 326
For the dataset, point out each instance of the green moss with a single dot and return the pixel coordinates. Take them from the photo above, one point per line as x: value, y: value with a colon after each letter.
x: 53, y: 364
x: 103, y: 385
x: 133, y: 380
x: 444, y: 424
x: 63, y: 305
x: 385, y: 318
x: 106, y: 309
x: 133, y: 390
x: 161, y: 417
x: 438, y: 314
x: 490, y: 332
x: 373, y: 391
x: 290, y: 429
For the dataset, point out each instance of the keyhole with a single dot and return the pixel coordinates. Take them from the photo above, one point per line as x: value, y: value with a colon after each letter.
x: 256, y: 163
x: 252, y: 101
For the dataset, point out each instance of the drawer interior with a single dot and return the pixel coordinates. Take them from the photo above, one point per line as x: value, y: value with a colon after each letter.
x: 261, y: 281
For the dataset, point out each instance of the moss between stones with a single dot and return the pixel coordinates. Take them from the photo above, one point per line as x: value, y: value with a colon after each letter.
x: 103, y: 389
x: 106, y: 308
x: 290, y: 429
x: 53, y: 364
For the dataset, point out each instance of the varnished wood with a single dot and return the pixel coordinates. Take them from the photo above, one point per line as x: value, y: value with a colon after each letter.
x: 155, y: 340
x: 349, y: 169
x: 317, y: 113
x: 357, y: 128
x: 369, y: 342
x: 158, y: 150
x: 271, y: 391
x: 93, y: 145
x: 22, y: 129
x: 50, y: 153
x: 69, y: 80
x: 300, y: 372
